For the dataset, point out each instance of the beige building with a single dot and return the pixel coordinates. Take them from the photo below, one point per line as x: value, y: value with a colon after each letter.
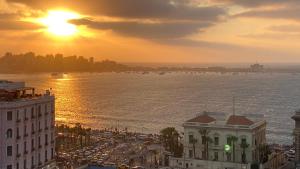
x: 27, y: 127
x: 217, y: 141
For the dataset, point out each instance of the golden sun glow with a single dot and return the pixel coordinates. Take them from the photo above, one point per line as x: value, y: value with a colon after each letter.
x: 57, y: 22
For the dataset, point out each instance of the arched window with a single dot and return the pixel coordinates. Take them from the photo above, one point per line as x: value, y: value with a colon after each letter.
x: 9, y: 133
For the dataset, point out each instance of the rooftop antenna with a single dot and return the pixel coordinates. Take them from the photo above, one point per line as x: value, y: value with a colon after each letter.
x: 233, y: 105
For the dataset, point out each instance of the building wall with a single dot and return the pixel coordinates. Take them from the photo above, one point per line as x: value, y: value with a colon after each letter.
x: 36, y: 126
x: 203, y: 164
x: 222, y: 134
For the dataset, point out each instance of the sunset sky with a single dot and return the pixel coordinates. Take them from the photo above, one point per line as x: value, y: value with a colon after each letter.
x: 191, y: 31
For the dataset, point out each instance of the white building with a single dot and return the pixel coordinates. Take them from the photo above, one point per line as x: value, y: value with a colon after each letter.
x: 27, y: 127
x: 217, y: 141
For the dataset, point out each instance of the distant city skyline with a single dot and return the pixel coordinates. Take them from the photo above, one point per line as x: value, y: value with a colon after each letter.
x: 156, y: 31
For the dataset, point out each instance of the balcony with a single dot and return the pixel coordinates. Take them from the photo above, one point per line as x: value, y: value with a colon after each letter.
x: 52, y: 142
x: 32, y: 149
x: 33, y: 132
x: 46, y: 144
x: 26, y: 119
x: 40, y: 163
x: 32, y: 117
x: 26, y: 135
x: 46, y: 113
x: 25, y: 152
x: 18, y: 155
x: 46, y: 128
x: 40, y: 130
x: 40, y: 146
x: 40, y: 115
x: 18, y: 137
x: 32, y: 167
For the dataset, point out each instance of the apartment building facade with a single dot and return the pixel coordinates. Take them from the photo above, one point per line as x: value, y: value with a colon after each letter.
x: 27, y: 127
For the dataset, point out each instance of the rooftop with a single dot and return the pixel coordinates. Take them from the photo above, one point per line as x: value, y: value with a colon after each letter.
x: 204, y: 118
x: 239, y: 120
x: 12, y: 91
x: 226, y: 120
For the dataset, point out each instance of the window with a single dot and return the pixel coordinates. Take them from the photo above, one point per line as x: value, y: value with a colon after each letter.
x: 25, y: 130
x: 203, y: 139
x: 52, y: 153
x: 9, y: 115
x: 190, y: 153
x: 25, y: 115
x: 32, y: 128
x: 17, y: 167
x: 244, y: 141
x: 9, y: 151
x: 32, y: 112
x: 228, y: 155
x: 39, y: 141
x: 9, y: 167
x: 18, y: 133
x: 191, y: 139
x: 46, y: 156
x: 216, y: 140
x: 32, y: 144
x: 25, y: 147
x: 32, y: 161
x: 39, y: 158
x: 228, y: 141
x: 216, y: 156
x: 17, y: 149
x: 46, y: 139
x: 25, y: 164
x: 18, y: 115
x: 46, y: 125
x: 9, y: 133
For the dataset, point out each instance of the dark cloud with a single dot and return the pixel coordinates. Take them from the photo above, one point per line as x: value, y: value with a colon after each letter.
x: 18, y: 25
x: 151, y: 9
x: 13, y: 22
x: 290, y: 13
x: 285, y: 28
x: 167, y: 30
x: 259, y: 3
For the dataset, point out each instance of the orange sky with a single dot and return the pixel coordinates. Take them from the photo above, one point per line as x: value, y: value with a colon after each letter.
x: 191, y: 31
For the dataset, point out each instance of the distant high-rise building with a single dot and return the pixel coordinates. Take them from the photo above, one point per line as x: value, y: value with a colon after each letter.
x: 27, y: 127
x: 296, y: 117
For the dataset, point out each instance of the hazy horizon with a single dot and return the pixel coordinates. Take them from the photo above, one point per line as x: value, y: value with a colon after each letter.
x: 196, y: 31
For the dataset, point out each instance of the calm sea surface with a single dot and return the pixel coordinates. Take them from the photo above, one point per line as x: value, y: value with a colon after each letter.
x: 150, y: 102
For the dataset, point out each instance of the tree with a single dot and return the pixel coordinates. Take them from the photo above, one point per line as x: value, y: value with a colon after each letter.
x: 206, y: 140
x: 233, y: 140
x: 244, y: 145
x: 170, y: 137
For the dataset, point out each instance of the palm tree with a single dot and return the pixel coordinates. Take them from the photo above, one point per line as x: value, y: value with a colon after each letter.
x: 205, y: 140
x: 244, y: 145
x: 233, y: 140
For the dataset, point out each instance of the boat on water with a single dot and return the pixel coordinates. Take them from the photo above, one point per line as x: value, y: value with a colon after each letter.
x: 162, y: 73
x: 57, y: 75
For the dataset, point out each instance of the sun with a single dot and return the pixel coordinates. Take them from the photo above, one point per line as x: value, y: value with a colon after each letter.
x: 57, y: 22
